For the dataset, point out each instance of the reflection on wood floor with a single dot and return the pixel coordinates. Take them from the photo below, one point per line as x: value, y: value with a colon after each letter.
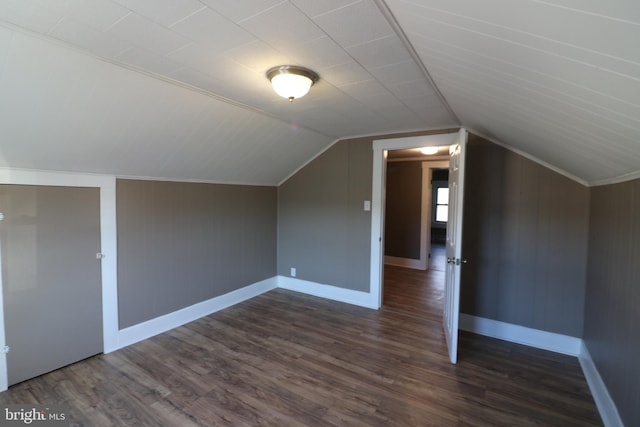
x: 287, y: 359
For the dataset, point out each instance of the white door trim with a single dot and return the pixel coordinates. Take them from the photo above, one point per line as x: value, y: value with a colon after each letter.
x: 380, y: 147
x: 108, y: 234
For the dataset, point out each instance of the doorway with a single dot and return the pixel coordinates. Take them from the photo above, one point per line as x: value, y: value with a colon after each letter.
x: 457, y: 153
x: 415, y: 226
x: 381, y: 151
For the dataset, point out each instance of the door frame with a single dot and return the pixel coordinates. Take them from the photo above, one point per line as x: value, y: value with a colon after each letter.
x: 380, y: 148
x: 108, y: 247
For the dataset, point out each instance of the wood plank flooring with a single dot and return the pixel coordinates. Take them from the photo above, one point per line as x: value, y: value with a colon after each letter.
x: 286, y: 359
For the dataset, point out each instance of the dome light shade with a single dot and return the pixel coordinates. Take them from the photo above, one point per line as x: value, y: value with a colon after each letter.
x: 429, y: 150
x: 290, y: 81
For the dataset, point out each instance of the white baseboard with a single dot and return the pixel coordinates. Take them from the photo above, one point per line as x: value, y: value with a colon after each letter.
x: 559, y: 343
x: 604, y: 402
x: 362, y: 299
x: 169, y: 321
x: 417, y: 264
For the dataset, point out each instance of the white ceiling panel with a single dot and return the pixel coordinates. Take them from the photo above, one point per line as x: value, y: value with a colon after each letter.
x: 165, y: 12
x: 555, y: 104
x: 220, y: 49
x: 318, y: 54
x: 143, y: 32
x: 240, y: 10
x: 212, y: 31
x: 38, y: 16
x: 379, y: 52
x: 315, y: 8
x: 531, y: 23
x: 398, y: 72
x: 195, y: 56
x: 115, y: 121
x: 357, y: 23
x: 98, y: 14
x: 148, y: 61
x: 365, y: 90
x: 411, y: 89
x: 622, y: 10
x: 282, y: 26
x: 556, y: 82
x: 346, y: 74
x: 540, y: 81
x: 86, y: 37
x: 177, y: 88
x: 531, y: 58
x: 256, y: 55
x: 195, y: 78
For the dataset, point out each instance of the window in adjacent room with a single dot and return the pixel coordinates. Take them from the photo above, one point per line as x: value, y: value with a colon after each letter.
x: 442, y: 204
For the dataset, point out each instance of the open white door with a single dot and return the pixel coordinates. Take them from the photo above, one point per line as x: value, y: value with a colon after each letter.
x: 454, y: 244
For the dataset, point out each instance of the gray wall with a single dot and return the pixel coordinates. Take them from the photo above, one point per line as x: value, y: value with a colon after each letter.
x: 403, y: 209
x: 525, y: 237
x: 183, y: 243
x: 526, y: 233
x: 323, y: 230
x: 612, y: 308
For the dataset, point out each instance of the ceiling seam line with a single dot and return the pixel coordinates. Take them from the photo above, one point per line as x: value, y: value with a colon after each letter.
x: 388, y: 15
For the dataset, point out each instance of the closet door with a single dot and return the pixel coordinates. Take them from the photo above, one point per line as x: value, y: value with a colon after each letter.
x: 51, y: 284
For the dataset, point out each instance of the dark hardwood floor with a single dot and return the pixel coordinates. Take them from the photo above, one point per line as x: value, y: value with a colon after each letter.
x: 286, y: 359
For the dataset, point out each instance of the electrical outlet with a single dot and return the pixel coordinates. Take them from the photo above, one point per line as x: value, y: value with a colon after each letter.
x: 293, y: 272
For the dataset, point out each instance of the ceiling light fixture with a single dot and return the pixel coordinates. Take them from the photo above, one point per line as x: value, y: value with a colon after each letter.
x: 429, y: 150
x: 291, y: 81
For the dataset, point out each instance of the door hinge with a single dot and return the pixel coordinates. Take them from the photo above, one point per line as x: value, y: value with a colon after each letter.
x: 5, y: 349
x: 100, y: 255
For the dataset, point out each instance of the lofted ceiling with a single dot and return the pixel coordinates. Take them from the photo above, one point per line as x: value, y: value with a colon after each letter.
x: 177, y: 88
